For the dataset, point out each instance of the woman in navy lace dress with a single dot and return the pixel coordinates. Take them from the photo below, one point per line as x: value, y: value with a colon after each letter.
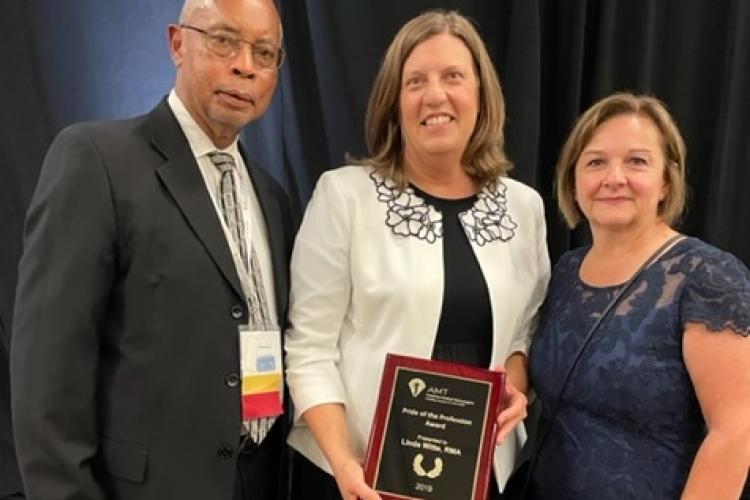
x: 658, y: 405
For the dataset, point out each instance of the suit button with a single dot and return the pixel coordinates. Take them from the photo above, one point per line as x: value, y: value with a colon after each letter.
x: 237, y: 311
x: 232, y: 379
x: 225, y: 452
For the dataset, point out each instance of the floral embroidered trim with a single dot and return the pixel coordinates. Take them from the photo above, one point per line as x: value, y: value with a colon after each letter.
x: 488, y: 220
x: 410, y: 215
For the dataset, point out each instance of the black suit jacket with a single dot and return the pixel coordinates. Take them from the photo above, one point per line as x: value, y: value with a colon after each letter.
x: 10, y: 481
x: 126, y: 319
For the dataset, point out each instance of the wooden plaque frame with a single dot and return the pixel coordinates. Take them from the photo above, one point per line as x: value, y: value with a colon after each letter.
x: 445, y: 400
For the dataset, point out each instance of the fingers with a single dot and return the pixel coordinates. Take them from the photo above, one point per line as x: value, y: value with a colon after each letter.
x: 352, y: 486
x: 362, y: 492
x: 367, y: 494
x: 513, y: 414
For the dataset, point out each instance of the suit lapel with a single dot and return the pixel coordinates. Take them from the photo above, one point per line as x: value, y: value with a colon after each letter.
x: 182, y: 178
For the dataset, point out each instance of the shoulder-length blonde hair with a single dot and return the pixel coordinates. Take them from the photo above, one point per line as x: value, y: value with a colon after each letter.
x: 484, y: 158
x: 624, y: 103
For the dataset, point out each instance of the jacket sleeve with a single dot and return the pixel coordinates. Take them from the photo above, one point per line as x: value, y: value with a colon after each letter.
x: 522, y: 338
x: 65, y: 276
x: 319, y: 299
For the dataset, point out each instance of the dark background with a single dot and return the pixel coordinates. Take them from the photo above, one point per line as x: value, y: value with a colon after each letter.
x: 62, y: 62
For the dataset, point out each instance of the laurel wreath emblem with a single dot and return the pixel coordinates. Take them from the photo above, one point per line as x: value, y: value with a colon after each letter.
x: 416, y: 466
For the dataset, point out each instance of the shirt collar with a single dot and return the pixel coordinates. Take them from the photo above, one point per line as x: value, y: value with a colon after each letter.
x: 200, y: 143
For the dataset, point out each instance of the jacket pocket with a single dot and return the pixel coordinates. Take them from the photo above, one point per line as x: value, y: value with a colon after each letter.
x: 124, y: 460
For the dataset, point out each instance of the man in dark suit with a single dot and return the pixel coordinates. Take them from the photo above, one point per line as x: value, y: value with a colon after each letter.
x: 149, y: 243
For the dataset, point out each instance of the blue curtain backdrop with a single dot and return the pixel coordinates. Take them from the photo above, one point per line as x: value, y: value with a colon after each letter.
x: 73, y: 60
x: 94, y: 60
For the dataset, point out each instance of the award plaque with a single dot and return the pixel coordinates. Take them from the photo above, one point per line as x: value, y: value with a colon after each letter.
x: 434, y: 430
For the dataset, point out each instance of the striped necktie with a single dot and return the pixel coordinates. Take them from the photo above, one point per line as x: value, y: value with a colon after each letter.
x: 258, y: 311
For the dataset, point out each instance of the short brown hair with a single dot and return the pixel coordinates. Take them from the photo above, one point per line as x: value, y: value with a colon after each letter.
x: 673, y: 146
x: 484, y: 158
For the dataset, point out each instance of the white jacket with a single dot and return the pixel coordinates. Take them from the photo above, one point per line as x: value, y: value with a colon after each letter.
x: 367, y: 279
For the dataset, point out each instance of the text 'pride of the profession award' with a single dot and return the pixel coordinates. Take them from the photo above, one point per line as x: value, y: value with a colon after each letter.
x: 434, y: 430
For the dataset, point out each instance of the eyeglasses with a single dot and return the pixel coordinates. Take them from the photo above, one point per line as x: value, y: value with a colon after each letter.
x: 224, y: 43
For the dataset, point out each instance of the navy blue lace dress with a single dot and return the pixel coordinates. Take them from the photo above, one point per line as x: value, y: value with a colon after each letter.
x: 629, y: 424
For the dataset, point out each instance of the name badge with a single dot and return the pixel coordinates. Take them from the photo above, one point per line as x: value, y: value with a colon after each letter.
x: 261, y: 370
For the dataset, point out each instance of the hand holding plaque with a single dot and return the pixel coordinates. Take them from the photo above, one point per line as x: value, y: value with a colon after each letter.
x: 433, y: 435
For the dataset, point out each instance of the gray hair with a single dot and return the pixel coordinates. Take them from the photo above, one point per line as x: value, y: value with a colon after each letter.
x: 190, y: 6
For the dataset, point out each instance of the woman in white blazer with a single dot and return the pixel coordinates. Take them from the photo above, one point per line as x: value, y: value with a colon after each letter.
x: 426, y: 248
